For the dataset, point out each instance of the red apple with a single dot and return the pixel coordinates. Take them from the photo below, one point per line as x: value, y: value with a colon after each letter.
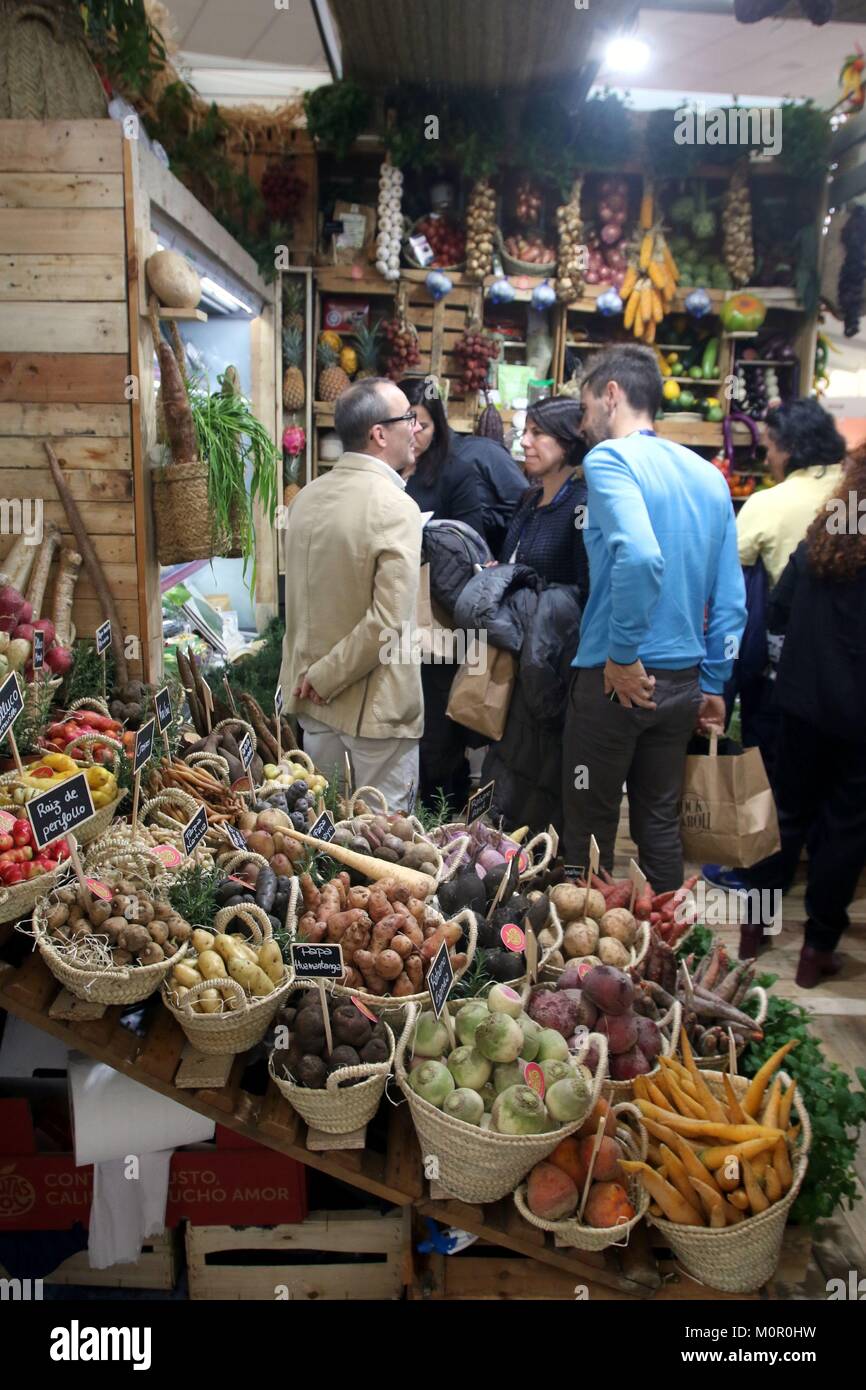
x: 59, y: 659
x: 24, y: 631
x: 45, y: 625
x: 26, y: 613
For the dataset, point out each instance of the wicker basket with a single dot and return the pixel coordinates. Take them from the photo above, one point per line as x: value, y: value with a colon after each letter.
x: 741, y: 1258
x: 99, y: 823
x: 166, y: 830
x: 184, y: 523
x: 722, y: 1061
x: 338, y: 1109
x: 572, y: 1232
x: 245, y: 1022
x: 512, y: 266
x: 669, y: 1027
x: 19, y: 899
x: 474, y: 1164
x: 446, y: 863
x: 541, y: 843
x: 636, y: 952
x: 120, y: 985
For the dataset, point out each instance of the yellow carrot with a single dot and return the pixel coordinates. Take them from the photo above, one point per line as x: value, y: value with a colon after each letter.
x: 713, y: 1107
x: 786, y: 1106
x: 760, y: 1081
x: 683, y: 1103
x: 710, y: 1129
x: 657, y: 1097
x: 674, y: 1206
x: 735, y: 1109
x: 717, y: 1156
x: 757, y: 1200
x: 678, y: 1177
x: 739, y: 1199
x: 772, y: 1185
x: 782, y: 1165
x: 713, y: 1204
x: 770, y: 1112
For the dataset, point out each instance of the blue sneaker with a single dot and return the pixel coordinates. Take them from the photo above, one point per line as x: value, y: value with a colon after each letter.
x: 725, y: 878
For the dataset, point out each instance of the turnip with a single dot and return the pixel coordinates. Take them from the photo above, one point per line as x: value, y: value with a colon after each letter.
x: 531, y: 1032
x: 519, y: 1110
x: 488, y: 1095
x: 505, y: 1075
x: 555, y: 1069
x: 568, y: 1100
x: 504, y: 1000
x: 467, y: 1019
x: 432, y: 1081
x: 464, y: 1105
x: 551, y: 1046
x: 11, y: 602
x: 24, y: 633
x: 500, y: 1038
x: 431, y: 1037
x: 469, y: 1068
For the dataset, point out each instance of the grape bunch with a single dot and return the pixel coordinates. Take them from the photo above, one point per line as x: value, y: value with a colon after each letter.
x: 401, y: 348
x: 475, y: 351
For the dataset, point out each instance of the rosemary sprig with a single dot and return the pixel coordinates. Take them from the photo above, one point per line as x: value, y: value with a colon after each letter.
x: 193, y: 894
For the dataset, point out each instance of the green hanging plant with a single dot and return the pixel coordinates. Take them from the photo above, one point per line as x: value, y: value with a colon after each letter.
x: 337, y: 114
x: 124, y: 42
x: 603, y: 136
x: 806, y: 137
x: 663, y: 156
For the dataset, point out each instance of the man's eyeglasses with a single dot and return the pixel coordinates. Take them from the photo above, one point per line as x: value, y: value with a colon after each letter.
x: 396, y: 419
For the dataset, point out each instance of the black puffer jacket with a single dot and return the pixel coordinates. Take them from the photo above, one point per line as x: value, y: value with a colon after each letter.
x: 541, y: 624
x: 454, y: 553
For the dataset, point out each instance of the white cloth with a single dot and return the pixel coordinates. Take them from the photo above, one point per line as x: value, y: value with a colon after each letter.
x: 387, y: 470
x: 389, y: 764
x: 126, y: 1210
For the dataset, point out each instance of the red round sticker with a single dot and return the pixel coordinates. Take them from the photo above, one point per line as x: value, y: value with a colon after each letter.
x: 512, y: 937
x: 169, y: 856
x: 583, y: 969
x: 98, y: 889
x: 533, y: 1077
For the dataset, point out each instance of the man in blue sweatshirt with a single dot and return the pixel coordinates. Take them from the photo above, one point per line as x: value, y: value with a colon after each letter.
x: 663, y: 623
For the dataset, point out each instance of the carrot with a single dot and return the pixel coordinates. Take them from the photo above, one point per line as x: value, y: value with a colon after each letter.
x: 684, y: 1103
x: 739, y: 1199
x: 715, y: 1110
x: 786, y: 1105
x: 673, y: 1205
x: 678, y: 1177
x: 757, y: 1200
x: 782, y: 1164
x: 699, y: 1129
x: 755, y: 1094
x: 658, y: 1097
x: 772, y: 1185
x: 738, y: 1114
x: 770, y: 1113
x: 713, y: 1204
x: 717, y: 1156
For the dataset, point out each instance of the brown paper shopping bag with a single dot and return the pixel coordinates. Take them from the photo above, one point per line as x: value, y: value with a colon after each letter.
x: 480, y: 696
x: 728, y: 813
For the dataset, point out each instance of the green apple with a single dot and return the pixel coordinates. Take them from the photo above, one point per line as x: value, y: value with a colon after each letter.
x: 271, y: 771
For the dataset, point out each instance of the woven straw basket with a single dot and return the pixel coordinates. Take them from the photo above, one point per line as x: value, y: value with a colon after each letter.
x: 741, y: 1258
x: 446, y: 862
x: 128, y: 984
x: 244, y: 1022
x: 479, y: 1165
x: 99, y: 823
x: 636, y: 952
x: 338, y: 1109
x: 388, y: 1004
x: 581, y: 1237
x: 669, y: 1027
x: 541, y: 843
x: 721, y: 1061
x: 181, y: 509
x: 19, y: 899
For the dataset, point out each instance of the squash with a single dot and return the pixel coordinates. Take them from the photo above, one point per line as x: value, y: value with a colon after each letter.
x: 173, y: 280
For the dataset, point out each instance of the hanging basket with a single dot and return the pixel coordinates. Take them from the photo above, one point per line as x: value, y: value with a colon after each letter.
x: 574, y: 1233
x: 184, y: 523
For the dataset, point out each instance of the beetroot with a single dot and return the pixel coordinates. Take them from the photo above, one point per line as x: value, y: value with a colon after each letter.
x: 609, y: 989
x: 620, y: 1031
x: 570, y: 979
x: 591, y: 1058
x: 649, y: 1039
x: 625, y: 1066
x: 552, y: 1009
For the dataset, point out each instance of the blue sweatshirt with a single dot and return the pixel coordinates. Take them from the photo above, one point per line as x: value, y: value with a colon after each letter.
x: 666, y: 585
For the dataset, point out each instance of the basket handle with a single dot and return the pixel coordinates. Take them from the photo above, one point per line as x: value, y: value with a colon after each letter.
x: 88, y: 741
x: 244, y: 856
x: 412, y: 1011
x: 91, y: 702
x: 601, y: 1070
x: 235, y: 721
x: 540, y: 841
x: 174, y: 796
x: 451, y: 855
x: 638, y: 1143
x: 217, y: 982
x: 763, y: 1003
x: 356, y: 796
x: 252, y: 916
x: 672, y: 1020
x: 212, y: 763
x: 643, y: 938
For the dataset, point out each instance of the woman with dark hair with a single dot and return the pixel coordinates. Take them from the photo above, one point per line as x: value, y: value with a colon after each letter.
x: 805, y: 454
x: 441, y: 483
x: 543, y: 554
x: 817, y: 638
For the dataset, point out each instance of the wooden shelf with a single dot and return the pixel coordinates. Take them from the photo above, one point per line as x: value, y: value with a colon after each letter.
x: 191, y: 315
x: 697, y: 380
x: 703, y: 433
x: 335, y: 279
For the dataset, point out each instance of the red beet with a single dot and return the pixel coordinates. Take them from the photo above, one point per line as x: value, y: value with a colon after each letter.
x: 625, y: 1066
x: 649, y: 1039
x: 620, y: 1031
x: 611, y: 990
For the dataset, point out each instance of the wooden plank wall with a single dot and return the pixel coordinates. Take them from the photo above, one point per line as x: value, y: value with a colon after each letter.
x: 64, y: 342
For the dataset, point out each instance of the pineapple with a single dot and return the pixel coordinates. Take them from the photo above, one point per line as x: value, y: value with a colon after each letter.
x: 293, y: 304
x: 333, y: 381
x: 349, y: 360
x: 367, y: 347
x: 293, y: 379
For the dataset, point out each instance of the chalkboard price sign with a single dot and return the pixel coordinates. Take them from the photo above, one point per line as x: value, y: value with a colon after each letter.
x: 195, y: 830
x: 440, y: 978
x: 11, y: 703
x: 143, y: 745
x: 236, y: 836
x: 572, y: 872
x: 278, y: 700
x: 311, y: 959
x: 61, y: 810
x: 38, y: 649
x: 324, y: 828
x: 245, y: 748
x: 163, y: 709
x: 103, y: 637
x: 480, y: 803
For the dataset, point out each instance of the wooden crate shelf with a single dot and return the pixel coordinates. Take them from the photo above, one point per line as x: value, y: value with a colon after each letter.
x: 221, y: 1260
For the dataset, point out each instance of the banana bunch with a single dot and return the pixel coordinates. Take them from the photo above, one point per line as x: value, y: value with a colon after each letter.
x: 650, y: 282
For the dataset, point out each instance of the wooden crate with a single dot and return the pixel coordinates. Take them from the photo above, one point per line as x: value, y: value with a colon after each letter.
x: 441, y: 323
x: 157, y: 1267
x: 265, y: 1270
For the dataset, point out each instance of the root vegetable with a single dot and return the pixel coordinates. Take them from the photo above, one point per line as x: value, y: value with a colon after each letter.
x: 41, y: 566
x: 69, y: 567
x: 504, y: 1000
x: 432, y: 1081
x: 464, y: 1104
x: 553, y: 1010
x: 468, y: 1019
x: 568, y: 1100
x: 609, y: 989
x: 580, y: 938
x: 619, y: 923
x: 250, y: 977
x: 469, y: 1067
x: 518, y: 1110
x: 499, y: 1038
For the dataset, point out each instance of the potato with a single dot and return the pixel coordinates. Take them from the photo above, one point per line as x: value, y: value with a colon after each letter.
x: 230, y: 946
x: 209, y: 1002
x: 250, y: 977
x: 270, y: 960
x: 619, y: 924
x: 173, y: 280
x: 580, y: 938
x: 202, y: 940
x: 186, y: 975
x: 211, y: 966
x: 612, y: 952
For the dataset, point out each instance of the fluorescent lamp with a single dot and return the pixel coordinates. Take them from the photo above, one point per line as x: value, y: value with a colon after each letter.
x: 627, y: 54
x: 222, y: 296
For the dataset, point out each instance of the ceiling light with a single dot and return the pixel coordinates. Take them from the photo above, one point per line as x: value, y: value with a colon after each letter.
x: 627, y: 54
x: 222, y: 296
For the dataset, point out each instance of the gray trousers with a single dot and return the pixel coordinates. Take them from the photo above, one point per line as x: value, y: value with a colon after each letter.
x: 606, y: 745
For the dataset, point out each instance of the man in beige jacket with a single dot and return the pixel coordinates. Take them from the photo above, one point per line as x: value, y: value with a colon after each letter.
x: 353, y: 555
